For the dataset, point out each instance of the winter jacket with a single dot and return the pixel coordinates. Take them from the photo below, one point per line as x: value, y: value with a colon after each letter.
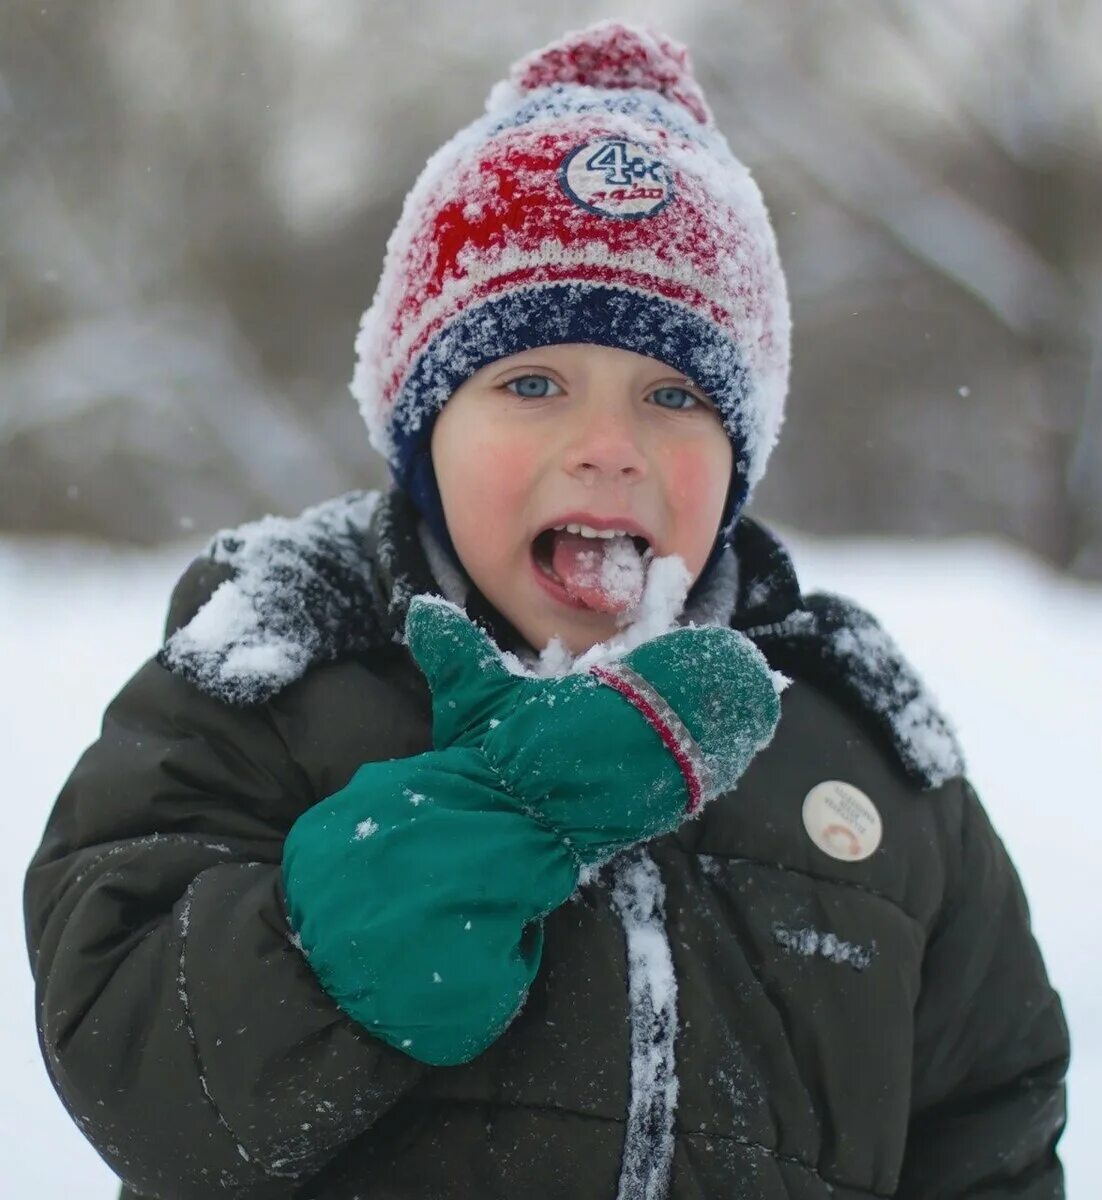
x: 729, y: 1010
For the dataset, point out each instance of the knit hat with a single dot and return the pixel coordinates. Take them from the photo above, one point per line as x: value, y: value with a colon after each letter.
x: 595, y: 201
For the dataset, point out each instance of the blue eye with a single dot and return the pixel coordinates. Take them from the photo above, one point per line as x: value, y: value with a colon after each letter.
x: 674, y: 398
x: 532, y: 387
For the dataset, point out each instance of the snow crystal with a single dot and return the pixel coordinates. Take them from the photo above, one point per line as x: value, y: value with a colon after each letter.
x: 365, y: 829
x: 555, y: 659
x: 656, y: 613
x: 622, y: 571
x: 902, y: 698
x: 254, y: 635
x: 840, y: 638
x: 811, y: 943
x: 638, y: 896
x: 780, y: 681
x: 710, y: 866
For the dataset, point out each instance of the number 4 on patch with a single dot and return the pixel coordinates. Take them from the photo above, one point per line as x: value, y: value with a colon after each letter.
x: 612, y: 158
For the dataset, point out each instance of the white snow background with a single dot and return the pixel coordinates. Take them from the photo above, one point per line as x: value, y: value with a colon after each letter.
x: 1013, y: 651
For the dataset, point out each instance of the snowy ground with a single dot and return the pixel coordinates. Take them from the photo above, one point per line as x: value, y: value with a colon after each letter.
x: 1014, y: 652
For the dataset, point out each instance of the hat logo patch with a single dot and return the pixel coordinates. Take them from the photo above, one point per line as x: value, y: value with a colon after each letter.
x: 842, y: 821
x: 616, y: 178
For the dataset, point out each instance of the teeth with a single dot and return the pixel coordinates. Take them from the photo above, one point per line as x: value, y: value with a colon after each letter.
x: 588, y: 531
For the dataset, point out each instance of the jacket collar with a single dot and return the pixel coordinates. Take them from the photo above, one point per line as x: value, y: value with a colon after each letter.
x: 337, y: 581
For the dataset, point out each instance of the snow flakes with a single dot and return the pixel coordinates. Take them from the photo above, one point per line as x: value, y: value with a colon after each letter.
x: 660, y: 605
x: 832, y: 638
x: 879, y: 672
x: 297, y: 596
x: 811, y: 943
x: 638, y: 896
x: 365, y: 829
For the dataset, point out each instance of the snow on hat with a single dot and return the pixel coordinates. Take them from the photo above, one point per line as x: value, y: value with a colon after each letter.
x: 595, y: 201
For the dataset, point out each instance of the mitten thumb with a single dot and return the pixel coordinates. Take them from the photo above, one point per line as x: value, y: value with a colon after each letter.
x: 469, y: 681
x: 719, y: 685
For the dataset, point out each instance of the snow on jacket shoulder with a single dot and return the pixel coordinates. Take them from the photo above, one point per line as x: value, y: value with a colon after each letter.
x: 881, y: 1027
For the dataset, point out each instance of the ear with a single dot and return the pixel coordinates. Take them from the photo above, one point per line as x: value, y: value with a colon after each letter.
x: 463, y: 667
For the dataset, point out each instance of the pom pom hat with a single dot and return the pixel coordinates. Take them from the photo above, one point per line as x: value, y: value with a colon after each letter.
x: 595, y: 201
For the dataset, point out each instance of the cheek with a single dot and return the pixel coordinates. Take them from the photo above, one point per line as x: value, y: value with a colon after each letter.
x: 696, y: 479
x: 484, y: 485
x: 500, y: 468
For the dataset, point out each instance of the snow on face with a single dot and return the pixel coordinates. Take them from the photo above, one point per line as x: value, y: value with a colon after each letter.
x: 596, y: 442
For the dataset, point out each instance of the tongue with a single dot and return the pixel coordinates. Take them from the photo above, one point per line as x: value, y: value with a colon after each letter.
x: 605, y: 574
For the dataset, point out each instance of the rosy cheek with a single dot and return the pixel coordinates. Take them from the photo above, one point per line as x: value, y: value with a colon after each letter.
x: 696, y: 485
x: 491, y: 488
x: 511, y: 464
x: 695, y: 478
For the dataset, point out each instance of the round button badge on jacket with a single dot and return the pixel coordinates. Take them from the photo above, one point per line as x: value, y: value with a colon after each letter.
x: 842, y: 821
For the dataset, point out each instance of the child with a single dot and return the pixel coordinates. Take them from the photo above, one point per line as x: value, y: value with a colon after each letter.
x: 415, y: 866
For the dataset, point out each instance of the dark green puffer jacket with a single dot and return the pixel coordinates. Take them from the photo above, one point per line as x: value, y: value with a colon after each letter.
x: 881, y: 1027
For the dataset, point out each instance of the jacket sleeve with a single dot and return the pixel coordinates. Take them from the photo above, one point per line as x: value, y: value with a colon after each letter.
x: 184, y: 1032
x: 991, y: 1044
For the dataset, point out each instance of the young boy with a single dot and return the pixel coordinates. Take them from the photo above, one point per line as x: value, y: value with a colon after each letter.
x: 415, y: 865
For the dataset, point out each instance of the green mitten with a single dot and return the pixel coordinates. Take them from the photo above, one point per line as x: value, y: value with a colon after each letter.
x: 417, y: 890
x: 613, y: 756
x: 416, y: 893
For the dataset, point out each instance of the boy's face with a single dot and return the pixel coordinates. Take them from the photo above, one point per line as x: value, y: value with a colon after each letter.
x: 584, y: 435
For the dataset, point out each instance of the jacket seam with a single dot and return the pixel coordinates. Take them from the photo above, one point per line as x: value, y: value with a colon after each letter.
x: 184, y: 924
x: 842, y: 883
x: 679, y: 1131
x: 778, y: 1156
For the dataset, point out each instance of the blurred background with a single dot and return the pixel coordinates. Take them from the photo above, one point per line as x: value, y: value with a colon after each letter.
x: 194, y: 203
x: 195, y: 199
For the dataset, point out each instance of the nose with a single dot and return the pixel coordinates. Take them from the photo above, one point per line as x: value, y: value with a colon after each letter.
x: 606, y: 446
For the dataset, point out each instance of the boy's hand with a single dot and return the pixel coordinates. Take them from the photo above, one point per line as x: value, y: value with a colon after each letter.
x: 611, y: 757
x: 418, y: 890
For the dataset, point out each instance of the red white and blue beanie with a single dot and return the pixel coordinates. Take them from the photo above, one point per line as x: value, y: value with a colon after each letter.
x: 595, y: 201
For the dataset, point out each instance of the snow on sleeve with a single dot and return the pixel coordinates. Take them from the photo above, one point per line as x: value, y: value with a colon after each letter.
x: 893, y: 688
x: 257, y: 632
x: 833, y: 637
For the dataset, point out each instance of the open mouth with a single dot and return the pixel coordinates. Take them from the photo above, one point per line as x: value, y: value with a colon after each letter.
x: 601, y: 570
